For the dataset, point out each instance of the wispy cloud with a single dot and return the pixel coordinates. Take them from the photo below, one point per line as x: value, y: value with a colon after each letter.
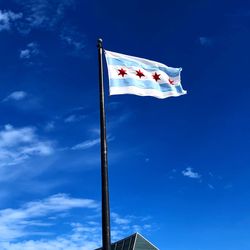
x: 7, y: 19
x: 19, y: 144
x: 90, y: 143
x: 188, y: 172
x: 211, y: 186
x: 75, y: 115
x: 82, y: 237
x: 205, y: 41
x: 43, y: 13
x: 74, y: 118
x: 50, y: 126
x: 30, y: 51
x: 74, y: 40
x: 119, y: 220
x: 16, y: 96
x: 37, y: 218
x: 22, y: 100
x: 86, y: 144
x: 116, y: 120
x: 15, y: 223
x: 121, y: 224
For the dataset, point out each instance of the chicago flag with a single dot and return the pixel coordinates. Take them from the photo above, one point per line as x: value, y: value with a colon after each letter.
x: 138, y: 76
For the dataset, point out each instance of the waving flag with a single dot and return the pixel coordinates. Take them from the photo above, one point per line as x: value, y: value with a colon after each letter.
x: 138, y: 76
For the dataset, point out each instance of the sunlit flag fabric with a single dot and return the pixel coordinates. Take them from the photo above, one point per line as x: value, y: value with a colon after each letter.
x: 138, y: 76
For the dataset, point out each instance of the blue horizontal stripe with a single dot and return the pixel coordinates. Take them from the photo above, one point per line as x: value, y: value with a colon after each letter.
x: 146, y: 84
x: 172, y: 72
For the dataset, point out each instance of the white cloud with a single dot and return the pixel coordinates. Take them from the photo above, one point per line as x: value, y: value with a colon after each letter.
x: 19, y: 144
x: 71, y: 118
x: 95, y: 131
x: 39, y: 218
x: 205, y: 41
x: 118, y: 119
x: 43, y: 13
x: 86, y: 144
x: 7, y: 19
x: 74, y: 118
x: 50, y: 126
x: 22, y: 100
x: 75, y: 115
x: 36, y: 14
x: 61, y: 243
x: 16, y: 96
x: 24, y: 54
x: 74, y: 40
x: 90, y: 143
x: 188, y: 172
x: 81, y: 237
x: 118, y: 220
x: 30, y: 51
x: 16, y: 223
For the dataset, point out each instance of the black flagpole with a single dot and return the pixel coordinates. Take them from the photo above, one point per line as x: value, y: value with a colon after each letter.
x: 106, y: 241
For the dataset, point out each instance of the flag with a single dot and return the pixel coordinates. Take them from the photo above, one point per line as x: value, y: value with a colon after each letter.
x: 139, y: 76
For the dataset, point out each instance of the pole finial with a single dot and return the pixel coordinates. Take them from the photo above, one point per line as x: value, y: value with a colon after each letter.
x: 99, y: 45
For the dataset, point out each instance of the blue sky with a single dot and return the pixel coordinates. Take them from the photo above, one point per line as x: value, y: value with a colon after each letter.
x: 179, y: 167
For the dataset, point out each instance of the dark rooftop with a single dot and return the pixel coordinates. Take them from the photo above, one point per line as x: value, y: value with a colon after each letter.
x: 133, y: 242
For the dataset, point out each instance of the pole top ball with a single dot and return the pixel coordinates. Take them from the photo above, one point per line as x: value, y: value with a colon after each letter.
x: 99, y: 43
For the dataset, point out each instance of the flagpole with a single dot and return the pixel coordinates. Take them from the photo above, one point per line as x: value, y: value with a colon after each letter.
x: 106, y: 241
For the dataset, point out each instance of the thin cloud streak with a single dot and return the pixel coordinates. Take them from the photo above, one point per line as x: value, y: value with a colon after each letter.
x: 86, y: 144
x: 206, y: 41
x: 19, y: 144
x: 16, y: 96
x: 211, y: 186
x: 90, y: 143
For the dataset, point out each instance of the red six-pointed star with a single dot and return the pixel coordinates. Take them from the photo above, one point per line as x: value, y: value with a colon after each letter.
x: 171, y: 81
x: 139, y: 73
x: 156, y: 76
x: 122, y: 72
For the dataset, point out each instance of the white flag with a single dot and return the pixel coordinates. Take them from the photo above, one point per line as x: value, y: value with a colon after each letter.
x: 138, y: 76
